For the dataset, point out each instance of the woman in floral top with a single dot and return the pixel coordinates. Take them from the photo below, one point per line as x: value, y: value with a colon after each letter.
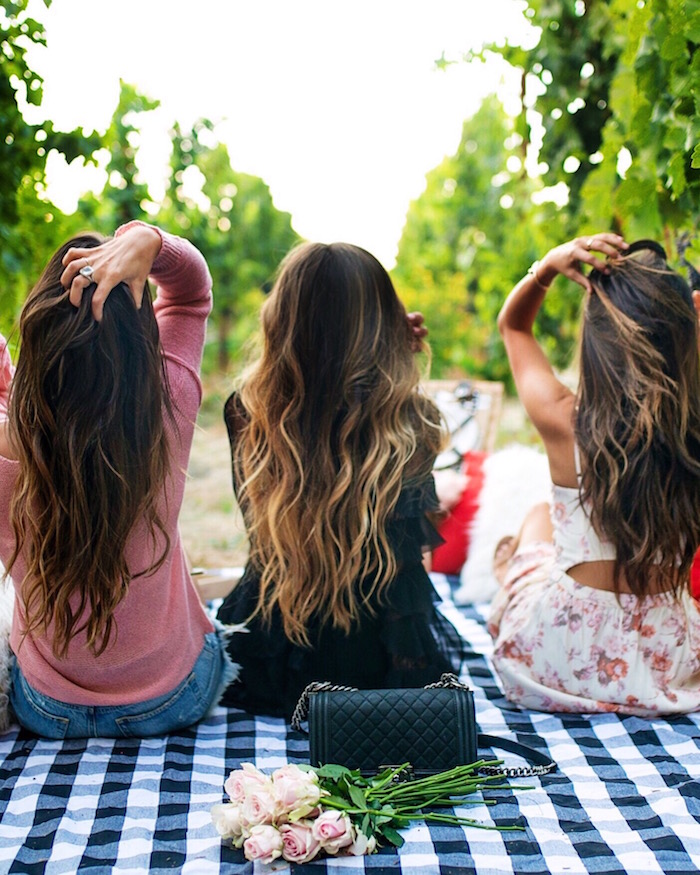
x: 595, y: 611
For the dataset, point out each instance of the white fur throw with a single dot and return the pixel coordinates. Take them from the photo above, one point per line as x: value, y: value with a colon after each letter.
x: 7, y: 602
x: 515, y: 479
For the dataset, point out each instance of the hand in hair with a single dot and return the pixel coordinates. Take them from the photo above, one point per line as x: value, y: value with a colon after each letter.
x: 548, y: 402
x: 126, y: 259
x: 418, y: 330
x: 567, y: 258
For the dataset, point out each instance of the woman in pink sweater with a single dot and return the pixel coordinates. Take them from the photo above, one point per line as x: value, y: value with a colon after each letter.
x: 109, y: 634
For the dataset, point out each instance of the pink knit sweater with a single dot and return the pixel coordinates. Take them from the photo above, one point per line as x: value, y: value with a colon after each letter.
x: 160, y: 624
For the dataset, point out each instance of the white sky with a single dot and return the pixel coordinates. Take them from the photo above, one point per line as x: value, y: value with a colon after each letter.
x: 337, y: 105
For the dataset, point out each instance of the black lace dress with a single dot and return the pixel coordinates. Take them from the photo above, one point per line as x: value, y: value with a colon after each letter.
x: 407, y: 642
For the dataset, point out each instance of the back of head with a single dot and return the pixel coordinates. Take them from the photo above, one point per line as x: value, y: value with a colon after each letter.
x: 86, y: 419
x: 638, y: 416
x: 335, y: 427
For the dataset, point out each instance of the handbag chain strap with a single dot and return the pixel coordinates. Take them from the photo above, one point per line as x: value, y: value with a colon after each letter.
x: 452, y: 682
x: 448, y: 681
x: 301, y: 710
x: 518, y: 771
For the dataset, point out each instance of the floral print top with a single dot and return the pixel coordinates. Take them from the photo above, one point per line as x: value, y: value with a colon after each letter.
x: 575, y: 539
x: 563, y: 646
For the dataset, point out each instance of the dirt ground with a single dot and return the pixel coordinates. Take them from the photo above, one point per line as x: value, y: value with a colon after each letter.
x: 211, y: 523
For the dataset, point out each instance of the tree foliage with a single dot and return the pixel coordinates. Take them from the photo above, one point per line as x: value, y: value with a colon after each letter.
x: 615, y: 86
x: 125, y: 196
x: 468, y: 238
x: 25, y: 215
x: 619, y: 84
x: 231, y: 218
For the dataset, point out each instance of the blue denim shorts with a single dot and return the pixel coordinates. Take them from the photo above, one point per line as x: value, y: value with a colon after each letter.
x: 188, y: 703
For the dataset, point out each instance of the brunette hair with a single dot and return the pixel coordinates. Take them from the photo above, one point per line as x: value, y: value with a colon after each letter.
x: 637, y: 423
x: 86, y: 420
x: 333, y: 428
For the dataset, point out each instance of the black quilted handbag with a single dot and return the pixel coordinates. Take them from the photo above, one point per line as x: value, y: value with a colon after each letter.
x: 433, y: 728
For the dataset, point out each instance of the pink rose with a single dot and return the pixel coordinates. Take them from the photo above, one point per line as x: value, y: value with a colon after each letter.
x: 296, y: 791
x: 240, y: 782
x: 333, y: 830
x: 259, y: 806
x: 361, y: 845
x: 264, y: 843
x: 299, y: 844
x: 228, y: 823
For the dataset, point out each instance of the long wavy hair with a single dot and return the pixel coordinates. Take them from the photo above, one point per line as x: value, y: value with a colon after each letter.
x: 637, y: 423
x: 334, y: 426
x: 86, y: 420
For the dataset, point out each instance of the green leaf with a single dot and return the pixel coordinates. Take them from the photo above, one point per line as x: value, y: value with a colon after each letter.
x: 676, y: 175
x: 695, y: 160
x: 357, y: 796
x: 332, y: 771
x: 675, y: 136
x: 692, y: 28
x: 674, y: 47
x: 392, y: 836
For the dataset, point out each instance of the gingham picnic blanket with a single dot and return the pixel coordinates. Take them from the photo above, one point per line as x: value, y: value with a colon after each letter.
x: 625, y: 797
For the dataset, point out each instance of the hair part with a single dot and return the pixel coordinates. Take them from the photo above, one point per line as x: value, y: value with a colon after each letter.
x: 637, y: 423
x: 333, y: 428
x: 86, y: 419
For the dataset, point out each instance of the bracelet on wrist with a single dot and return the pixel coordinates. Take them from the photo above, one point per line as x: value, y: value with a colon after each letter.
x: 532, y: 271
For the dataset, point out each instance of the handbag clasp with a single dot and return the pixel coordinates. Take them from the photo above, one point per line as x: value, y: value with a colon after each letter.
x: 406, y: 774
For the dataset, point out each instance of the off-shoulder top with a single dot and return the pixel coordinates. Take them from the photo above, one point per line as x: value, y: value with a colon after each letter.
x: 404, y: 642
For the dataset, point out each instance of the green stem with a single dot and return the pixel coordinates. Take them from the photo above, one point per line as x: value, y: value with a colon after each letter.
x: 467, y: 821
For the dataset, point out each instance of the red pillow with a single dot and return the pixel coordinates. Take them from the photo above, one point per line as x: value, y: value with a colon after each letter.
x: 449, y: 557
x: 695, y: 576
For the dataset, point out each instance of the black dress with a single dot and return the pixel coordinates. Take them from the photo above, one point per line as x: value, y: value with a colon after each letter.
x: 407, y: 642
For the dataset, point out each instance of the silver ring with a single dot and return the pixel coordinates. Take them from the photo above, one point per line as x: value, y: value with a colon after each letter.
x: 87, y: 272
x: 589, y: 243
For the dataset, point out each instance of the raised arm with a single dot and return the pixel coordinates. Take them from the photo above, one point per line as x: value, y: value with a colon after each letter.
x: 137, y: 251
x: 126, y: 258
x: 183, y: 299
x: 547, y: 401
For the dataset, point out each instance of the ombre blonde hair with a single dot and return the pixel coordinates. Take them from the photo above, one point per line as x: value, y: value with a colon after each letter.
x: 637, y: 423
x: 333, y: 427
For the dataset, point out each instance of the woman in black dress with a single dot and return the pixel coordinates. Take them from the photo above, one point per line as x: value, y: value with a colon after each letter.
x: 332, y: 446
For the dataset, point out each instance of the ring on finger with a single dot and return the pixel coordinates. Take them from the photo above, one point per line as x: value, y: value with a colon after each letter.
x: 87, y: 272
x: 589, y: 243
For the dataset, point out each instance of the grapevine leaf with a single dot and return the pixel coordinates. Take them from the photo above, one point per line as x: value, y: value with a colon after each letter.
x: 695, y: 160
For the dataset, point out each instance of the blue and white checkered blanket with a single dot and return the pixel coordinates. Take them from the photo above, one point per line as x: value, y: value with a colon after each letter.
x: 625, y: 797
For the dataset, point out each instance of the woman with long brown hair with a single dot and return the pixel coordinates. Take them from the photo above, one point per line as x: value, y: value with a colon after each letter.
x: 595, y: 611
x: 109, y: 634
x: 332, y: 448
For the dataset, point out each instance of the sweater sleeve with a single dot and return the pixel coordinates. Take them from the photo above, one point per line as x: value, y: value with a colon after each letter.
x: 183, y: 298
x: 7, y: 372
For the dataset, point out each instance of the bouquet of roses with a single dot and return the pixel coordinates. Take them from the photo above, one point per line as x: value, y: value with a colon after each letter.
x: 299, y: 812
